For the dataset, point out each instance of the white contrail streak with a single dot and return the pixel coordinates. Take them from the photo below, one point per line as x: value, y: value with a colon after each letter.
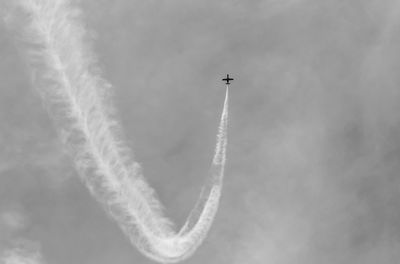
x: 67, y: 78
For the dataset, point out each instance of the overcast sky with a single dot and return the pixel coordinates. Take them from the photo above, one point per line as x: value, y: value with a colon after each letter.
x: 314, y: 136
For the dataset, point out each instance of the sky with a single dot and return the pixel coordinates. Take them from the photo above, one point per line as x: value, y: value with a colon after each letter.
x: 314, y: 133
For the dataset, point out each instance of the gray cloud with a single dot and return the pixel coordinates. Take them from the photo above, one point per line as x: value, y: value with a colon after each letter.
x: 24, y: 252
x: 312, y: 171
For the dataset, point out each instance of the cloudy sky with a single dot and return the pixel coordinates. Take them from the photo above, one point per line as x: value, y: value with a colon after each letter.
x: 314, y: 135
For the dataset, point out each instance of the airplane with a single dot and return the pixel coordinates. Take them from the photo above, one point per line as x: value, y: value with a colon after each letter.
x: 227, y: 79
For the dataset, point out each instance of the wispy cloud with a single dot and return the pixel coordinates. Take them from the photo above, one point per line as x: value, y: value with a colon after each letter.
x: 24, y: 252
x: 13, y: 219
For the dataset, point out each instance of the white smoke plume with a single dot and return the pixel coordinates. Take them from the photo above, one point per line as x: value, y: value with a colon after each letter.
x: 66, y: 76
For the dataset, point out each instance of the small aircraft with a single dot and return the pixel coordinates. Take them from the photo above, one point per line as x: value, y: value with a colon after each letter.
x: 227, y: 79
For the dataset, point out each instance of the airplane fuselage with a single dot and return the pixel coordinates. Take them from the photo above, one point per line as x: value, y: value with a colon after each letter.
x: 227, y: 79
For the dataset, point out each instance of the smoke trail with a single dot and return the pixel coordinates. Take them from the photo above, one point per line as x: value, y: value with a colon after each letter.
x: 65, y: 72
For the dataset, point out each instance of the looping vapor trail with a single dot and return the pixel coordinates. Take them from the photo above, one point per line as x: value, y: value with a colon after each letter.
x: 77, y: 97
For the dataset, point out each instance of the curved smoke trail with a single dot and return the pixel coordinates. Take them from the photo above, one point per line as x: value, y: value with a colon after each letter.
x: 67, y: 78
